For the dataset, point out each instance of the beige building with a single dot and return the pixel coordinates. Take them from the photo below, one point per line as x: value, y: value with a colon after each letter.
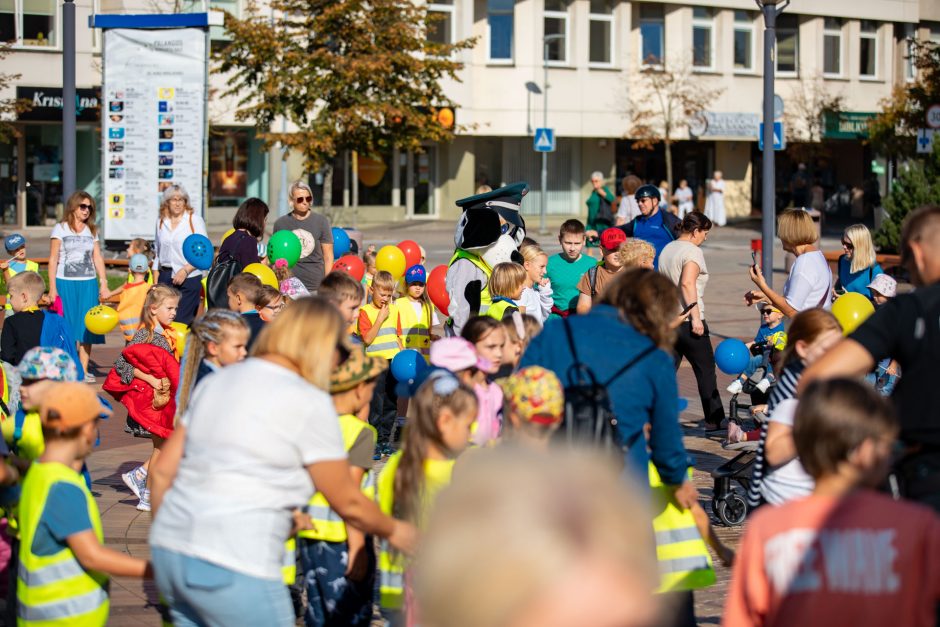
x: 855, y: 49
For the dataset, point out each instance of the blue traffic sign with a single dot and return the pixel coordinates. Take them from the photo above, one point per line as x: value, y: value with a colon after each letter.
x: 779, y: 141
x: 544, y: 140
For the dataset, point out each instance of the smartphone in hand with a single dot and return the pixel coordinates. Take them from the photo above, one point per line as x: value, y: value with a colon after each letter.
x: 754, y: 258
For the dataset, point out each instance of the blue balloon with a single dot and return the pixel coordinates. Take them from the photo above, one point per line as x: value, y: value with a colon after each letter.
x: 408, y: 364
x: 732, y: 356
x: 197, y: 250
x: 341, y: 242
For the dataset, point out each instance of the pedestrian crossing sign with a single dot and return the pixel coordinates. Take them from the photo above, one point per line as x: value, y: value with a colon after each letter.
x: 544, y: 140
x: 780, y: 142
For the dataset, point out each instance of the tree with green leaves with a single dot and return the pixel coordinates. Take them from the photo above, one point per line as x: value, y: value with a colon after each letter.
x: 893, y: 131
x: 917, y: 184
x: 344, y: 74
x: 9, y: 107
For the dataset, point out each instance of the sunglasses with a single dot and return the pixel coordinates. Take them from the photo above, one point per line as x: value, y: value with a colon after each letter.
x: 85, y: 206
x: 767, y: 312
x: 848, y: 245
x: 303, y: 199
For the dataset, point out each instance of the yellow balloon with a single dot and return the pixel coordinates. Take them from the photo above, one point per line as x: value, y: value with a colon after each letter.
x: 391, y: 260
x: 851, y: 310
x: 181, y: 331
x: 101, y: 319
x: 264, y: 273
x: 226, y: 234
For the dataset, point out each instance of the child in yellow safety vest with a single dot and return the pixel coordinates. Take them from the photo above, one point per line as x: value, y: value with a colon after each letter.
x: 16, y: 246
x: 338, y: 562
x: 132, y: 296
x: 63, y: 565
x: 438, y: 431
x: 416, y: 313
x: 379, y: 328
x: 506, y: 285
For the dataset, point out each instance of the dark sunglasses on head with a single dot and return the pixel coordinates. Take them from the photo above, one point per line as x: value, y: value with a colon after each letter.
x: 303, y: 199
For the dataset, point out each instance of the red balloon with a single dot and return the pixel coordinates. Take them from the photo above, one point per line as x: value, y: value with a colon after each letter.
x: 351, y: 265
x: 437, y: 289
x: 412, y: 253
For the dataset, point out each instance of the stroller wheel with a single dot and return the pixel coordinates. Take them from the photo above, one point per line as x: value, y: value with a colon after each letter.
x: 732, y: 508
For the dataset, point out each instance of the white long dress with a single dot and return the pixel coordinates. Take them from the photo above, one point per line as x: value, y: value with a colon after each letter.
x: 715, y: 204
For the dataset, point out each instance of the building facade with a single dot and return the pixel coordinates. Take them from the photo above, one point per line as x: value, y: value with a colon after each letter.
x: 591, y: 51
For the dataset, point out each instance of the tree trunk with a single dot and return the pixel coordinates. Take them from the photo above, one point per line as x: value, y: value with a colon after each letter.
x: 328, y: 188
x: 668, y: 147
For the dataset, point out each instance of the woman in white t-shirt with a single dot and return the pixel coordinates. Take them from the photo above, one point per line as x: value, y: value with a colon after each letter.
x: 75, y: 262
x: 254, y: 443
x: 810, y: 282
x: 176, y: 222
x: 683, y: 263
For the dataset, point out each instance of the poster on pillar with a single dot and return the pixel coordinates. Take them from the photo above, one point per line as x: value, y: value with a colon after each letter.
x: 154, y: 129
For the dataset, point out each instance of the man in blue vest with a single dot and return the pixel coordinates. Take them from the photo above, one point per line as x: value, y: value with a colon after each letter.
x: 652, y: 225
x: 488, y: 233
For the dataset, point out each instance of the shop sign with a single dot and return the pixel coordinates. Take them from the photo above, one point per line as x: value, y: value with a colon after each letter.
x: 713, y: 124
x: 847, y: 124
x: 46, y: 104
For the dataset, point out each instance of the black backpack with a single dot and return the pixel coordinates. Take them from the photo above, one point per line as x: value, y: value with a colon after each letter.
x: 221, y: 272
x: 605, y: 211
x: 589, y: 416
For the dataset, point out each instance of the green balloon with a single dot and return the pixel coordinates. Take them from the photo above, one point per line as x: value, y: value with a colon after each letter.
x: 284, y: 245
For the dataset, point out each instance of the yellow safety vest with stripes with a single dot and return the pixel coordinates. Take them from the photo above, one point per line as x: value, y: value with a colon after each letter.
x: 485, y: 299
x: 130, y: 306
x: 684, y: 562
x: 498, y: 309
x: 328, y: 526
x: 386, y: 343
x: 56, y: 589
x: 31, y: 266
x: 437, y: 475
x: 415, y: 331
x: 28, y: 443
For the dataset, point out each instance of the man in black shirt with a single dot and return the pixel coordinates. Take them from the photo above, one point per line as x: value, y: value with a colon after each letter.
x: 23, y: 330
x: 906, y: 329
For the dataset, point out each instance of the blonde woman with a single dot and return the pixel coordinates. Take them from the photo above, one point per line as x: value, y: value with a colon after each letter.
x: 259, y: 438
x: 178, y: 221
x: 857, y: 265
x: 74, y: 262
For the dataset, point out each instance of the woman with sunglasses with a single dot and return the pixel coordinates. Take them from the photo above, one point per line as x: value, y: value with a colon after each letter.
x: 243, y: 244
x: 75, y: 262
x: 315, y: 234
x: 857, y: 265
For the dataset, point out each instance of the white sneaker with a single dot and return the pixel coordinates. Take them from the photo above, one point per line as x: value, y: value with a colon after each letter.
x: 89, y: 378
x: 763, y: 385
x: 144, y: 505
x: 736, y: 386
x: 136, y: 480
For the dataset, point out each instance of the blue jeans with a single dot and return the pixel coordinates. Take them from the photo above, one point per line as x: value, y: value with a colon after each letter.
x: 884, y: 383
x: 203, y: 594
x: 755, y: 362
x: 331, y: 598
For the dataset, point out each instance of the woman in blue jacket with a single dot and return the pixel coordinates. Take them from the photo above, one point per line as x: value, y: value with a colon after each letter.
x: 857, y: 265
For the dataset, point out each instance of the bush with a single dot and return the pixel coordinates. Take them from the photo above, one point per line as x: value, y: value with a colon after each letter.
x: 917, y: 184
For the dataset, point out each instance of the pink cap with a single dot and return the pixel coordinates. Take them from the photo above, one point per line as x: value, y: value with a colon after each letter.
x: 456, y: 353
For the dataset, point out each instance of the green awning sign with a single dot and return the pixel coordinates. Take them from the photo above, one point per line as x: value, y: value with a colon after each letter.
x: 847, y: 124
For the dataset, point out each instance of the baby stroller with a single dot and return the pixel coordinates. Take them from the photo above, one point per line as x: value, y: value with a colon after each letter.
x: 728, y: 501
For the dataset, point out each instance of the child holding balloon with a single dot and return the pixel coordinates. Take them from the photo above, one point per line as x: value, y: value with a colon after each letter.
x: 150, y: 358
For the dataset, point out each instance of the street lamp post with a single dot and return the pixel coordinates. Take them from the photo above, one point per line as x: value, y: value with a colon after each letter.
x: 771, y: 9
x: 543, y: 213
x: 68, y: 99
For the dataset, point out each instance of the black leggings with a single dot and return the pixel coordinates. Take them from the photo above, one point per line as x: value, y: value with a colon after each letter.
x: 190, y: 295
x: 698, y: 350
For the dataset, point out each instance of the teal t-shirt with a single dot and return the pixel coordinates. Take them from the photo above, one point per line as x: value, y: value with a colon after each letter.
x: 564, y: 275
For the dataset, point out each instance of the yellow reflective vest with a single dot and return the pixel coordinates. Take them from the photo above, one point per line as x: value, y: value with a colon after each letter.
x: 24, y: 437
x: 387, y: 343
x: 485, y: 299
x: 684, y: 562
x: 415, y: 330
x: 328, y: 526
x: 498, y: 309
x: 56, y: 589
x: 437, y: 474
x: 130, y: 307
x: 31, y: 266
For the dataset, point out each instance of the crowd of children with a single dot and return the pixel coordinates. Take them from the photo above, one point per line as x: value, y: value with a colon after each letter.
x: 468, y: 396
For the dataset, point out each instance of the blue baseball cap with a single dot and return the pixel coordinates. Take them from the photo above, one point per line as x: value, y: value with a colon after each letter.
x: 416, y: 274
x: 14, y: 242
x: 139, y: 263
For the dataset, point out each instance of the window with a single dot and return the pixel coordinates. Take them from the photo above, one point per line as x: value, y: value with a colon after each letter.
x: 499, y: 19
x: 787, y: 45
x: 868, y: 50
x: 832, y: 46
x: 601, y: 32
x: 703, y: 35
x: 29, y: 22
x: 743, y: 41
x: 441, y: 21
x: 556, y: 23
x: 910, y: 34
x: 652, y: 34
x: 218, y: 36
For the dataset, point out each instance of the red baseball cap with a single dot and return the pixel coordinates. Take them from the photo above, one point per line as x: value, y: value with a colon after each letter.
x: 612, y: 238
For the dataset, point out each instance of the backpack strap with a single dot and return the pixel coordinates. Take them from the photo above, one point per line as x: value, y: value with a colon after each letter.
x: 643, y: 353
x: 592, y: 280
x: 192, y: 229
